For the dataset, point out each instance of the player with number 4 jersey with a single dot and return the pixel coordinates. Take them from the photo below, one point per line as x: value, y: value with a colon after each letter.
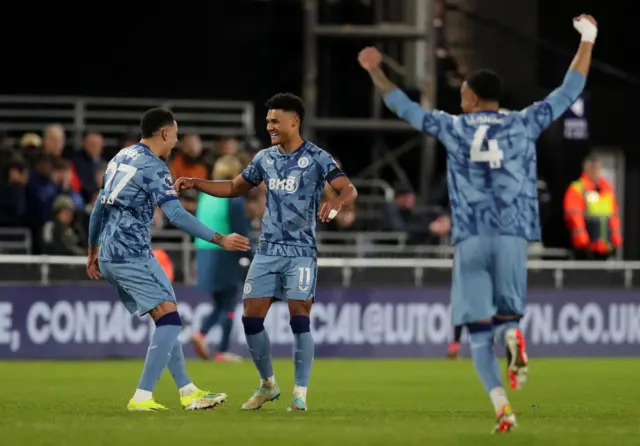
x: 492, y: 178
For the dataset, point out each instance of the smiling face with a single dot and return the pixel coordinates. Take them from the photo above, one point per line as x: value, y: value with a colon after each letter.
x: 282, y: 125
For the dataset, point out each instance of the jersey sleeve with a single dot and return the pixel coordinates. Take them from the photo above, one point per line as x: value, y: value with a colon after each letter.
x: 253, y: 173
x: 158, y: 183
x: 328, y: 166
x: 432, y: 122
x: 540, y: 115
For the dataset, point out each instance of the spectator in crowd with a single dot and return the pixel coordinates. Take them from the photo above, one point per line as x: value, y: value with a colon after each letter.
x: 54, y: 140
x: 13, y: 192
x: 86, y: 162
x: 218, y: 271
x: 61, y: 236
x: 401, y: 216
x: 189, y: 161
x: 41, y: 192
x: 228, y: 145
x: 53, y: 145
x: 591, y: 214
x: 31, y: 148
x: 49, y: 178
x: 63, y: 176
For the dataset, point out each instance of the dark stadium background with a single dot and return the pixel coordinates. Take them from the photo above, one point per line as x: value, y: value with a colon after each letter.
x: 176, y: 50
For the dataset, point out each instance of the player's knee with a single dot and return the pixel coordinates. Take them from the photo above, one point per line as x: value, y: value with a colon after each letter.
x: 252, y: 325
x: 172, y: 318
x: 300, y: 324
x: 300, y: 307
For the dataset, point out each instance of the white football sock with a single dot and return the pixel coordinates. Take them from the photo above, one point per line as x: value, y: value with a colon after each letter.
x: 188, y: 390
x: 142, y: 395
x: 300, y: 392
x: 498, y: 398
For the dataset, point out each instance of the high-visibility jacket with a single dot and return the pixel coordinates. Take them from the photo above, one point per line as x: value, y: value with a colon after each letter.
x: 165, y: 262
x: 591, y: 213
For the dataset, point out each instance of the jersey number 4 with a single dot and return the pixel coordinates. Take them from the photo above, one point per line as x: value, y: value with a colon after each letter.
x: 110, y: 174
x: 493, y: 156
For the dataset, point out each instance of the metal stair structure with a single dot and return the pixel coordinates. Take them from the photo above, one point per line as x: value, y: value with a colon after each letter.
x: 406, y: 21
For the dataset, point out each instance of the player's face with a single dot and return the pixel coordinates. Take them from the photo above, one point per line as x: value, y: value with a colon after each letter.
x: 468, y: 99
x: 281, y: 125
x: 169, y: 137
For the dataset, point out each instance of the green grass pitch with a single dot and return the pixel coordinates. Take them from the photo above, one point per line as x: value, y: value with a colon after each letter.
x: 352, y: 402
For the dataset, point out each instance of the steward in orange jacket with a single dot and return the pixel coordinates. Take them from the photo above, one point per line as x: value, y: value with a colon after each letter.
x: 591, y: 212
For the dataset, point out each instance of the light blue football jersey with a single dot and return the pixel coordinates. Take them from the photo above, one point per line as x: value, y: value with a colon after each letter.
x: 136, y: 181
x: 491, y: 161
x: 294, y: 183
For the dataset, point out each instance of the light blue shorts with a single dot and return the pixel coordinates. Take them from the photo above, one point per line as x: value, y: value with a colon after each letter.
x: 141, y: 285
x: 281, y: 278
x: 489, y: 278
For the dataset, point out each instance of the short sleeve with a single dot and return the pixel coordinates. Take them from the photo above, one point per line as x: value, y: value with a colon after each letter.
x: 253, y: 172
x: 158, y: 183
x: 329, y: 169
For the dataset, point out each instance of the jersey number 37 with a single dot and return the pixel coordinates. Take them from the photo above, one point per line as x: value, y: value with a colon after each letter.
x: 110, y: 174
x: 493, y: 155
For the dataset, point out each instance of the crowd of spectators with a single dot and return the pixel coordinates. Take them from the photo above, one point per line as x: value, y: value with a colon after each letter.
x: 50, y: 188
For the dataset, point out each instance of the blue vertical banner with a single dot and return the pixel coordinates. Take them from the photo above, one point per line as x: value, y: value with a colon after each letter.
x: 576, y: 120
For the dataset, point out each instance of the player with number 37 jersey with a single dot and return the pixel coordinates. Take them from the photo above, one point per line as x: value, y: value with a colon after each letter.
x: 492, y: 179
x: 138, y: 182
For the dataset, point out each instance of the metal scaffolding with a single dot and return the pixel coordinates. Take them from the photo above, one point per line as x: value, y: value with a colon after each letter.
x: 418, y: 67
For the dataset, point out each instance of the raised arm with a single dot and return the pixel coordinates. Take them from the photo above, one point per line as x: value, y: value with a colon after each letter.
x: 541, y: 114
x: 397, y: 101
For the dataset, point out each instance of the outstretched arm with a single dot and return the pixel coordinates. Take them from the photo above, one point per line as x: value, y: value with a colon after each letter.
x: 396, y: 100
x: 192, y: 226
x: 251, y: 177
x: 225, y: 189
x: 541, y: 114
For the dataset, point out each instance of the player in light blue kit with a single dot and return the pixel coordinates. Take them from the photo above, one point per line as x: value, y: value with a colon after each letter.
x: 491, y: 172
x: 137, y: 180
x: 285, y: 266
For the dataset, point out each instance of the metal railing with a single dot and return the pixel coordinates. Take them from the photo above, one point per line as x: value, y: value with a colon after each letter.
x: 348, y: 266
x: 114, y: 117
x: 15, y: 239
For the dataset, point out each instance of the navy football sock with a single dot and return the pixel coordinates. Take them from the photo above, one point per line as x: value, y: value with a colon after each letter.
x: 259, y: 345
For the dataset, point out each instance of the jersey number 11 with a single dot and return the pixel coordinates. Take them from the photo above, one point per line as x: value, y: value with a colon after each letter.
x: 493, y: 156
